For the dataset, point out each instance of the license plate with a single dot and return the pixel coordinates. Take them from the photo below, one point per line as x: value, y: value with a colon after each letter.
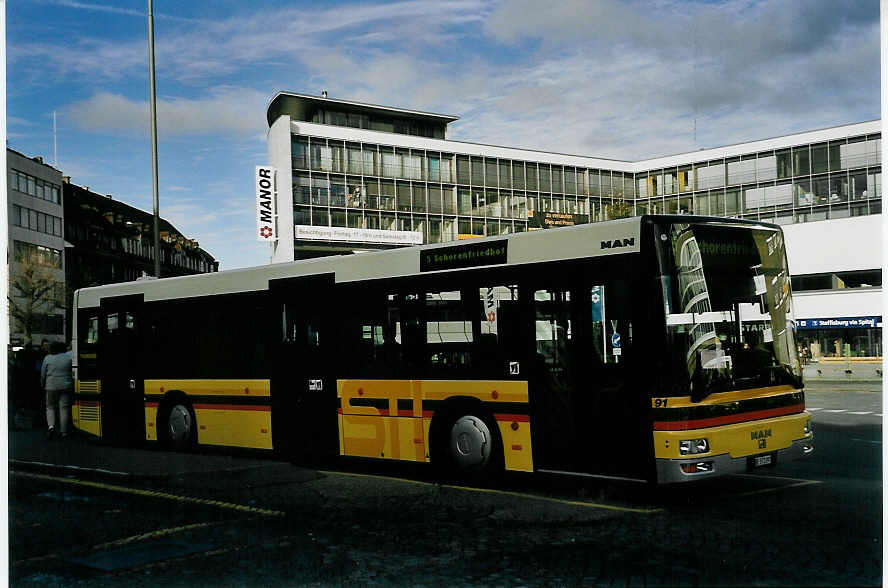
x: 761, y: 460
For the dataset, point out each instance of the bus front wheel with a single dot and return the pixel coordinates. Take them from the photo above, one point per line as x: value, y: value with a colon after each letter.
x: 179, y: 426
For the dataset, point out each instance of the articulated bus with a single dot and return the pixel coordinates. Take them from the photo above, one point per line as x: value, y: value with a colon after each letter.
x: 656, y: 348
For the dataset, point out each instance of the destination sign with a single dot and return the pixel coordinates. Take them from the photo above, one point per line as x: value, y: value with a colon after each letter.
x: 859, y: 322
x: 461, y: 256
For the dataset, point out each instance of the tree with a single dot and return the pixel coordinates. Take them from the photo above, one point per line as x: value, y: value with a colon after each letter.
x: 33, y: 293
x: 618, y: 208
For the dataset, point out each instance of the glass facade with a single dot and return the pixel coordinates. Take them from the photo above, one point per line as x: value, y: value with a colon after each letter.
x: 448, y: 196
x: 445, y: 196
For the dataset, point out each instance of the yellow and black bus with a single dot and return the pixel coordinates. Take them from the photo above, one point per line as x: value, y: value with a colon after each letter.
x: 656, y: 348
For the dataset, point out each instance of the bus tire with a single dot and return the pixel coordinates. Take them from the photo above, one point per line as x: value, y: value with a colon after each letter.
x: 178, y: 425
x: 469, y: 447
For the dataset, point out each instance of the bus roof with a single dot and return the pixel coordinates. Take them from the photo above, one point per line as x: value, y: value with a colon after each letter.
x: 614, y: 237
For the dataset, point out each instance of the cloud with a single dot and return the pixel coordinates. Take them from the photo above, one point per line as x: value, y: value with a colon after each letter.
x: 227, y: 111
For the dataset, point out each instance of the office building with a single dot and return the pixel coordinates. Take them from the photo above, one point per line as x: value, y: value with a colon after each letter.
x: 36, y: 259
x: 353, y: 176
x: 63, y: 237
x: 110, y: 241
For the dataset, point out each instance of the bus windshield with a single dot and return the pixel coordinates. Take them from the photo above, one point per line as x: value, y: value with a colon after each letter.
x: 729, y: 314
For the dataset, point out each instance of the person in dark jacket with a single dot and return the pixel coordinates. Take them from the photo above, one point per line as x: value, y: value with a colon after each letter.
x: 56, y: 379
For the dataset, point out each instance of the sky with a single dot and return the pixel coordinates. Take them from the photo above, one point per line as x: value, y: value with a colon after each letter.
x: 616, y: 79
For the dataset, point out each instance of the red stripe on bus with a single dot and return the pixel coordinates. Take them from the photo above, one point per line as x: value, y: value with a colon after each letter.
x: 521, y: 418
x: 385, y: 412
x: 232, y: 407
x: 87, y: 403
x: 151, y: 405
x: 727, y: 420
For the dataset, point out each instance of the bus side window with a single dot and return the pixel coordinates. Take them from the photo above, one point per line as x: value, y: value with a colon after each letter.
x: 300, y: 328
x: 610, y: 330
x: 112, y: 322
x: 498, y: 323
x: 449, y: 335
x: 92, y: 331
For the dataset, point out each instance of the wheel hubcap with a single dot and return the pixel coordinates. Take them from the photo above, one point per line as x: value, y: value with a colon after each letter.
x: 180, y: 424
x: 470, y: 443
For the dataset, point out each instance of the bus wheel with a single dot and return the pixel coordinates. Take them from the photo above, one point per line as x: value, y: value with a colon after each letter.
x: 473, y: 449
x: 179, y: 426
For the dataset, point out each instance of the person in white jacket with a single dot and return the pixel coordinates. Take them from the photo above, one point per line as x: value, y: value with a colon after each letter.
x: 56, y: 379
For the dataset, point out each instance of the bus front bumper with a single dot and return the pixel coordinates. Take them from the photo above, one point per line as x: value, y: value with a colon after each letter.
x: 670, y: 471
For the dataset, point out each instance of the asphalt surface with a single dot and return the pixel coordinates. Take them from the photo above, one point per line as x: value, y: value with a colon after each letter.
x: 84, y: 513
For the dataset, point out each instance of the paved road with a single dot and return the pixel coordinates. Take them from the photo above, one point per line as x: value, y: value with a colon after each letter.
x: 157, y: 518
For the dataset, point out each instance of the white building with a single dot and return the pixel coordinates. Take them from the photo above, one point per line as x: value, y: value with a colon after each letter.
x: 353, y: 176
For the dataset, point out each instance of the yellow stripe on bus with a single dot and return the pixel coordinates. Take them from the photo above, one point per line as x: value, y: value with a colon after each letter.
x: 736, y: 440
x: 210, y: 387
x: 388, y: 431
x: 721, y: 397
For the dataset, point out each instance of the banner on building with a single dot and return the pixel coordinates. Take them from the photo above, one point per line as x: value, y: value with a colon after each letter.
x: 351, y: 235
x: 266, y: 196
x: 549, y: 220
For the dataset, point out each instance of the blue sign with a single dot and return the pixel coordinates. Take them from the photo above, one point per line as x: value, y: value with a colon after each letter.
x: 596, y: 300
x: 615, y: 340
x: 858, y: 322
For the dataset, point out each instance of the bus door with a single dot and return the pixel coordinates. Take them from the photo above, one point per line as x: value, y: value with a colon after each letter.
x: 612, y: 401
x: 304, y: 422
x: 120, y: 359
x: 588, y: 417
x: 552, y: 377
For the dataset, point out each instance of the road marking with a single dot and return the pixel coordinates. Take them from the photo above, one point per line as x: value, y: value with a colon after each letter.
x: 834, y: 410
x: 811, y: 409
x: 126, y: 540
x: 154, y: 494
x: 863, y: 412
x: 867, y: 441
x: 504, y: 493
x: 785, y: 478
x: 778, y: 488
x: 69, y: 467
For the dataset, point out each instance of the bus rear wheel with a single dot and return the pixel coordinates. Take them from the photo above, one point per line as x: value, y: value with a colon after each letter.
x: 472, y: 449
x: 178, y: 426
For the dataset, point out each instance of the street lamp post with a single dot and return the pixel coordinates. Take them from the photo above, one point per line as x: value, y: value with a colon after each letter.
x: 154, y: 140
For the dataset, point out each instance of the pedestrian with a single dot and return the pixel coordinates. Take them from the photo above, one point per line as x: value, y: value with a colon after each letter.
x: 56, y: 379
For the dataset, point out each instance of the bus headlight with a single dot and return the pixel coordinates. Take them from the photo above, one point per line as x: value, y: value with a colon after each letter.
x: 808, y: 427
x: 692, y: 446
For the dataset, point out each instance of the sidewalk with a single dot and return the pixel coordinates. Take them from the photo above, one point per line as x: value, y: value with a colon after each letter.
x: 30, y: 450
x: 841, y: 371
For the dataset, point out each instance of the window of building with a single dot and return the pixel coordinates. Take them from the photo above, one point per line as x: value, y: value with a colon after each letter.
x: 685, y: 179
x: 491, y: 174
x: 853, y: 154
x: 741, y: 171
x: 766, y: 167
x: 711, y: 176
x: 477, y: 167
x: 557, y: 179
x: 463, y: 173
x: 545, y: 178
x: 784, y: 164
x: 37, y: 254
x: 873, y: 150
x: 801, y: 163
x: 517, y: 173
x: 835, y: 158
x: 819, y: 158
x: 531, y: 176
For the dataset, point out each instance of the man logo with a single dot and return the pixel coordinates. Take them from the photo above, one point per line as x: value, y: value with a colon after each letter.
x: 628, y: 242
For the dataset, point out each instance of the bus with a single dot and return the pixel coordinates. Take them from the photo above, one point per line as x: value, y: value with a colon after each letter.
x: 657, y: 348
